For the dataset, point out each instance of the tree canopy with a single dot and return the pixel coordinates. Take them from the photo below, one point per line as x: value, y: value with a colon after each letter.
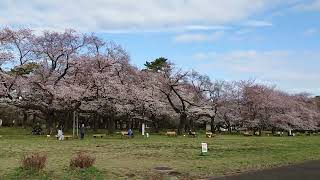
x: 56, y: 73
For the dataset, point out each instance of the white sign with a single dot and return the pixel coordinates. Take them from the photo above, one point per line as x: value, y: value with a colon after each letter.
x: 143, y: 128
x: 204, y: 148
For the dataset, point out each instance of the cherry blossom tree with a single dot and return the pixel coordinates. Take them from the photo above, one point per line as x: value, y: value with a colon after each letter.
x: 57, y: 73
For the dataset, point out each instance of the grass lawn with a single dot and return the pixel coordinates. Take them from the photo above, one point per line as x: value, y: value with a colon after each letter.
x: 136, y: 158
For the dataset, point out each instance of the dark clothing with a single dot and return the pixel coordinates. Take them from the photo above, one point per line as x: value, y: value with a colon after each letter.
x: 82, y: 132
x: 130, y: 133
x: 37, y: 130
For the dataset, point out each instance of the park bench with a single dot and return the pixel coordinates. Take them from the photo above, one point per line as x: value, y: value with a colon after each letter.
x: 171, y: 133
x: 278, y: 134
x: 67, y: 137
x: 247, y: 133
x: 124, y: 134
x: 209, y: 134
x: 98, y: 135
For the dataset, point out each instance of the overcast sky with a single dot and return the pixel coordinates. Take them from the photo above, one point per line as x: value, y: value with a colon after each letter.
x: 272, y: 41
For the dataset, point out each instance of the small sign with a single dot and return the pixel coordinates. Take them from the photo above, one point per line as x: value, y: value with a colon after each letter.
x: 204, y: 148
x: 143, y: 129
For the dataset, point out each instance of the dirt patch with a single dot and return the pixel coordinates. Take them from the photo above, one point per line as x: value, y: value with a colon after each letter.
x: 130, y: 175
x: 175, y: 173
x: 163, y: 169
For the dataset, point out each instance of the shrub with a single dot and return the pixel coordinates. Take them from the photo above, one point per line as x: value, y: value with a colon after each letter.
x: 34, y: 161
x: 82, y: 160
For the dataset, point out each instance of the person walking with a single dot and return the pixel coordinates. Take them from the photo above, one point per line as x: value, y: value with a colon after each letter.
x: 82, y: 131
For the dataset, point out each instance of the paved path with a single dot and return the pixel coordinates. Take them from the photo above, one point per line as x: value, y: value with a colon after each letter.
x: 306, y: 171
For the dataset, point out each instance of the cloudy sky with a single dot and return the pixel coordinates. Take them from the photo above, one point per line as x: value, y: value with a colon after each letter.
x: 272, y: 41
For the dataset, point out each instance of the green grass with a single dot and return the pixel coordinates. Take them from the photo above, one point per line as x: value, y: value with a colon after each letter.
x: 136, y: 158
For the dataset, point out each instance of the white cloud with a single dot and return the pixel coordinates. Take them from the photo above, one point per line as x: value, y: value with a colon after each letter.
x: 313, y: 5
x: 255, y: 23
x: 126, y: 15
x: 203, y: 27
x: 288, y: 69
x: 196, y: 37
x: 310, y: 32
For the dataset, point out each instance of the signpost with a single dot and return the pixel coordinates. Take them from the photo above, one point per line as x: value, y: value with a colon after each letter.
x: 204, y: 149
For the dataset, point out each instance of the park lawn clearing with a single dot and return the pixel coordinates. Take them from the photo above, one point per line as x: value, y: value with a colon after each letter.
x: 139, y: 157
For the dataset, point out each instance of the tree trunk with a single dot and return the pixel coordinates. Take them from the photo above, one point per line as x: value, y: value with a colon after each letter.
x: 95, y: 119
x: 213, y: 129
x: 182, y: 123
x: 25, y: 118
x: 132, y: 123
x: 111, y: 125
x: 229, y: 129
x: 155, y: 124
x: 50, y: 119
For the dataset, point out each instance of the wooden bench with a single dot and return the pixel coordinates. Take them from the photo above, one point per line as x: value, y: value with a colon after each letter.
x: 98, y: 135
x: 171, y: 133
x: 277, y: 134
x: 67, y: 137
x: 209, y: 134
x: 247, y: 133
x: 124, y: 134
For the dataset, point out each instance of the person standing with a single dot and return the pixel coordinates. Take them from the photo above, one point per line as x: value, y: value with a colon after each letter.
x: 130, y: 133
x: 82, y: 131
x: 60, y: 135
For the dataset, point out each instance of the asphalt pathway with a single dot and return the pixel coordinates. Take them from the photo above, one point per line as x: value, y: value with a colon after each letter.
x: 306, y: 171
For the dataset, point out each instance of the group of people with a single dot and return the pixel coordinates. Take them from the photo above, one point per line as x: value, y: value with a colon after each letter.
x: 82, y: 132
x: 61, y: 136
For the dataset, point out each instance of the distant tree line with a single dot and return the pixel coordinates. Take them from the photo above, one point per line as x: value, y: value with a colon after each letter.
x: 51, y: 75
